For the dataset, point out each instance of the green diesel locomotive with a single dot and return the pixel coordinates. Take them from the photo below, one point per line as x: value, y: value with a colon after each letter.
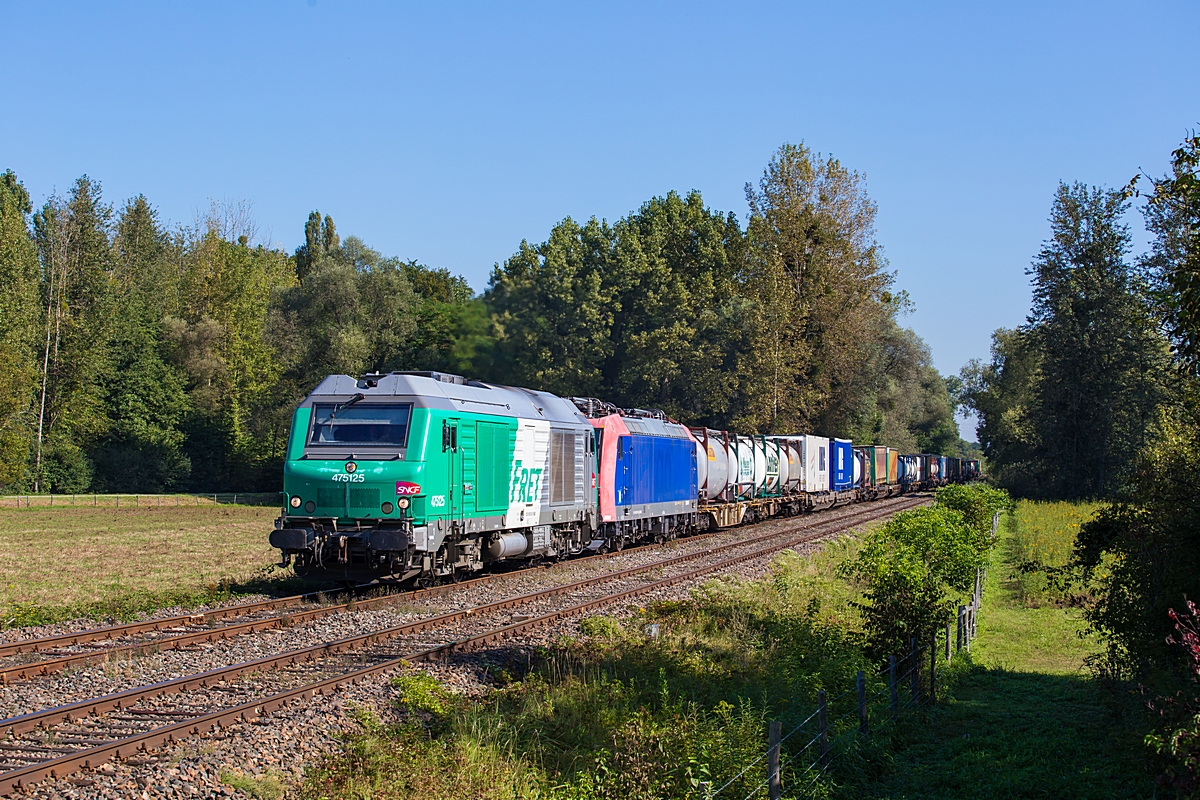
x: 424, y: 474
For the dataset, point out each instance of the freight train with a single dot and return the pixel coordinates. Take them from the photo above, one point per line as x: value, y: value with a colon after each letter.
x: 427, y: 476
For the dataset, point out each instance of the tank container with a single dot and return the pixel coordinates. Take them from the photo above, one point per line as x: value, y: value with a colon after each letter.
x: 717, y: 460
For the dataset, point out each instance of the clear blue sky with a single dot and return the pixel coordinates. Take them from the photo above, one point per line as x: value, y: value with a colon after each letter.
x: 449, y: 132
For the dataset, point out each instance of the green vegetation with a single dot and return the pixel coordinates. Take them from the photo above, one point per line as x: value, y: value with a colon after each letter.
x: 1043, y: 534
x: 141, y: 358
x: 1069, y: 399
x: 621, y: 713
x: 108, y: 563
x: 268, y: 787
x: 1026, y: 719
x: 915, y: 568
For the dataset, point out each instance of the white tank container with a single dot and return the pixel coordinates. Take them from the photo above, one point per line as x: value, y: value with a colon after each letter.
x: 701, y: 466
x: 776, y: 466
x: 744, y: 458
x: 717, y: 463
x: 778, y: 450
x: 760, y: 466
x: 791, y: 466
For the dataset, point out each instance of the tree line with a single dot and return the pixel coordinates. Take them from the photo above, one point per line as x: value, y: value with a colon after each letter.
x: 138, y: 356
x: 1097, y: 396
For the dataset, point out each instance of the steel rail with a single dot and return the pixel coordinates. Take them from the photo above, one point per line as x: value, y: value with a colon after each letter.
x: 43, y: 667
x: 83, y: 708
x: 119, y: 748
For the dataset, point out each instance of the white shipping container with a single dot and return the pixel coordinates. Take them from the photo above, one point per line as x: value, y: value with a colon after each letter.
x: 816, y: 464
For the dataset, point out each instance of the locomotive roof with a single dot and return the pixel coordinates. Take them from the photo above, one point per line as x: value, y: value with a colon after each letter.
x: 646, y: 426
x: 447, y: 393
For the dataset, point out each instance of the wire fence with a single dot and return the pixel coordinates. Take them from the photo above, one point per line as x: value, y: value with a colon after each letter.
x: 881, y: 702
x: 140, y: 500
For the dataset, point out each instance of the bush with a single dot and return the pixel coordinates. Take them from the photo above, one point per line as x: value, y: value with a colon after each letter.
x: 1179, y: 744
x: 978, y: 504
x: 1141, y: 554
x: 920, y: 562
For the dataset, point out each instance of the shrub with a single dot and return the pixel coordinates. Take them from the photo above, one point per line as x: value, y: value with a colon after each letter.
x: 1179, y: 745
x: 916, y: 566
x: 1141, y: 554
x: 977, y: 503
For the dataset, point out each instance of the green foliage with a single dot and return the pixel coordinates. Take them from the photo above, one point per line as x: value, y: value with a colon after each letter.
x: 977, y: 503
x: 1042, y: 539
x: 1173, y: 216
x: 1070, y: 398
x: 918, y: 564
x: 601, y: 627
x: 268, y: 787
x: 19, y: 328
x: 1142, y: 552
x: 790, y: 324
x: 141, y: 358
x: 422, y: 693
x: 624, y: 716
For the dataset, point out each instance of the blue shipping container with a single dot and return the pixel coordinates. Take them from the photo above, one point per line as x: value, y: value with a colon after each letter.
x: 841, y: 476
x: 655, y: 469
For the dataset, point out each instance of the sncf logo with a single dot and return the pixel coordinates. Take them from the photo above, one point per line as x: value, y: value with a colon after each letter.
x: 406, y: 488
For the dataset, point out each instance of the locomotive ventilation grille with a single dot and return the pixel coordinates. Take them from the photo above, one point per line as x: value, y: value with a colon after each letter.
x: 364, y: 499
x: 332, y: 500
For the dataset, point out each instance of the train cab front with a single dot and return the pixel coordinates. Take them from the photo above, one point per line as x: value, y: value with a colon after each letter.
x: 352, y: 483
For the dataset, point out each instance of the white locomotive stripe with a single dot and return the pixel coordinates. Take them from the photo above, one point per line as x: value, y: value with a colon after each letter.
x: 529, y: 473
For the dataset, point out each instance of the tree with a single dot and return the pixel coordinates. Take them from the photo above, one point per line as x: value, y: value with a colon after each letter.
x: 1102, y: 359
x: 1071, y: 397
x: 76, y: 256
x: 821, y: 283
x: 679, y: 320
x: 141, y: 449
x: 1173, y: 215
x: 19, y: 329
x: 554, y: 312
x: 1001, y: 393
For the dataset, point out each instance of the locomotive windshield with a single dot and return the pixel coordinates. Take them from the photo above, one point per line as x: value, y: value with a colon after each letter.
x: 360, y: 424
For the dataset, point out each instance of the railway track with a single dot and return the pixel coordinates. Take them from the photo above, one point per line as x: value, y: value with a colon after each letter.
x: 98, y: 645
x: 58, y: 741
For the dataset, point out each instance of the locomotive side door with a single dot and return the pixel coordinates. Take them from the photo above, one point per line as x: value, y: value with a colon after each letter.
x: 453, y: 448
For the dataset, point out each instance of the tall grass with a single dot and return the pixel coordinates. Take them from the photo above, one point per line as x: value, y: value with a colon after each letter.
x: 1042, y: 533
x: 628, y: 710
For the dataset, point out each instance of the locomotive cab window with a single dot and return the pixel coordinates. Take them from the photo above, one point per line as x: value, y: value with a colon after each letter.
x: 362, y: 424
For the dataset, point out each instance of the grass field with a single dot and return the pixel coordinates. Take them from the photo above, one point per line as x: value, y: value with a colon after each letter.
x: 1043, y: 533
x: 1027, y: 720
x: 59, y: 563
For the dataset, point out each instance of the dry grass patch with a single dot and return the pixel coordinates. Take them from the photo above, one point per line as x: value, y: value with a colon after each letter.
x: 56, y: 563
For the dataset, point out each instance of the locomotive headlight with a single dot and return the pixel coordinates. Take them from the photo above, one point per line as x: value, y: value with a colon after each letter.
x: 402, y: 502
x: 351, y: 466
x: 296, y: 501
x: 387, y: 508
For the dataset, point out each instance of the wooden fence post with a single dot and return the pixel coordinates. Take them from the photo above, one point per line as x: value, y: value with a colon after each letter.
x: 824, y: 723
x: 862, y: 702
x: 892, y: 686
x: 949, y: 655
x: 914, y: 666
x: 933, y: 668
x: 774, y: 782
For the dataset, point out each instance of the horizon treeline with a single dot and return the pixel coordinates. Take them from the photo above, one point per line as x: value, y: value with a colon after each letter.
x: 139, y: 357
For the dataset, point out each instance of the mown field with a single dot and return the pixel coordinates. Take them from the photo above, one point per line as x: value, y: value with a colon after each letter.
x: 60, y: 563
